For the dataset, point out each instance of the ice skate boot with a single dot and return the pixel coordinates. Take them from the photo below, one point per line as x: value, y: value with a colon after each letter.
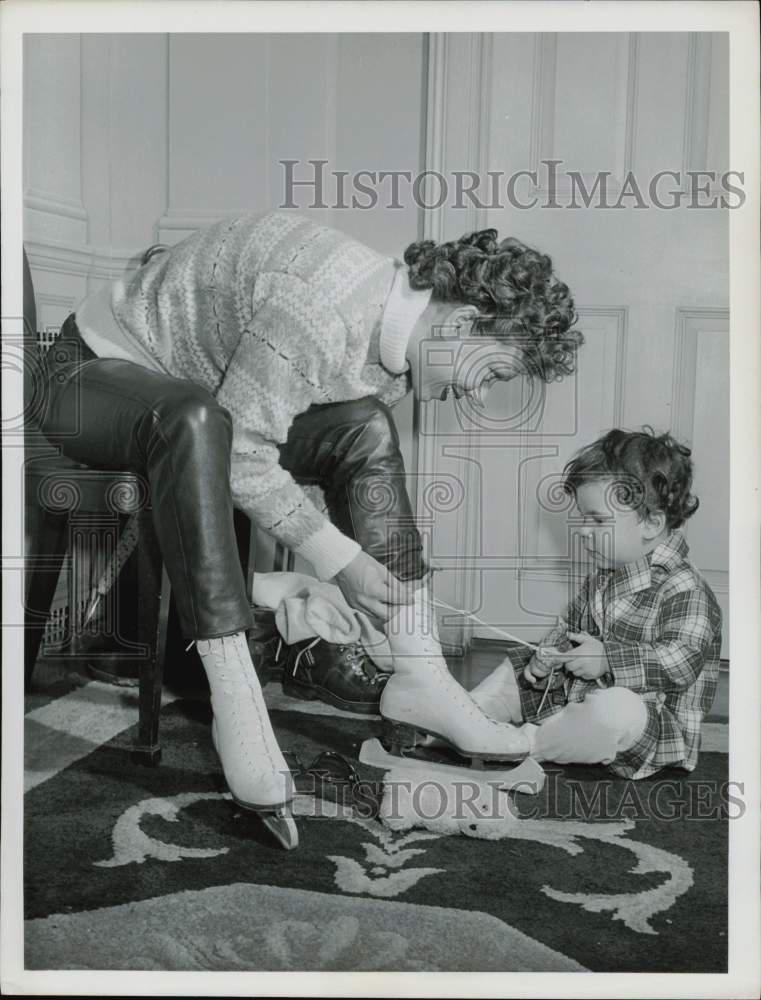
x: 255, y: 770
x: 422, y: 698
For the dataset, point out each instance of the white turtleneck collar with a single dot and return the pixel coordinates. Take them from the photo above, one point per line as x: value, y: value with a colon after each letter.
x: 403, y: 309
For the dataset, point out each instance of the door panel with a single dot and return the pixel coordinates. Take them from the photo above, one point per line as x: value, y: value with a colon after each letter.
x: 651, y: 287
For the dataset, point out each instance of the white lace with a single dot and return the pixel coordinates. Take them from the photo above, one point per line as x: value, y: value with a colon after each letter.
x: 470, y: 614
x: 301, y: 652
x: 243, y: 674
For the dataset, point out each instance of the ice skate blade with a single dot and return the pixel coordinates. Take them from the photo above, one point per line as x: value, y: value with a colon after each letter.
x: 277, y: 820
x: 527, y: 777
x: 283, y: 828
x: 403, y: 736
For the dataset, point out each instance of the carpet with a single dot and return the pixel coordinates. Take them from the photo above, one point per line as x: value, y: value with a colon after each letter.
x: 136, y: 868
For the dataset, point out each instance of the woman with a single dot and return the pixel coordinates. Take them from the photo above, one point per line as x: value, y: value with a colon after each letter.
x: 210, y: 371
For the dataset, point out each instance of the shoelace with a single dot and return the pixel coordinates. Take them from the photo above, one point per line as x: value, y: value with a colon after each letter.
x: 355, y: 657
x: 360, y: 663
x: 301, y: 652
x: 493, y: 628
x: 514, y: 638
x: 546, y: 692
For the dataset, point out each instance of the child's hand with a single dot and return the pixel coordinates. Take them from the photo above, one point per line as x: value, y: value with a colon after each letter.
x: 550, y: 657
x: 587, y: 660
x: 541, y: 664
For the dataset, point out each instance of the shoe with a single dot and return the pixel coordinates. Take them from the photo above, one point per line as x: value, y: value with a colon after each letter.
x: 254, y: 767
x: 422, y: 698
x: 266, y: 646
x: 343, y: 676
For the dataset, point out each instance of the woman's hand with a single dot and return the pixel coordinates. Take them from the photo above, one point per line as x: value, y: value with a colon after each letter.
x: 368, y: 586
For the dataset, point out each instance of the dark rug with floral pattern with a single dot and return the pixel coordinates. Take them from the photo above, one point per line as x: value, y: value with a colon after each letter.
x: 135, y: 868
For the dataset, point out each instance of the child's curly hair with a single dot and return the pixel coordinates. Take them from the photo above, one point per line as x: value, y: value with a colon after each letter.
x: 513, y: 286
x: 652, y: 472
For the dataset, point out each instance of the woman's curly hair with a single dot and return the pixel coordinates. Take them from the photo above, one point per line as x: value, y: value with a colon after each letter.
x: 513, y: 286
x: 651, y: 472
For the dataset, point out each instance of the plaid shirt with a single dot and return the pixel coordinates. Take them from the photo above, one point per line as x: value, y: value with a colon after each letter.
x: 660, y: 625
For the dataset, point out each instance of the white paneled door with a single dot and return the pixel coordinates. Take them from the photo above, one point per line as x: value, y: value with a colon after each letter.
x: 650, y: 284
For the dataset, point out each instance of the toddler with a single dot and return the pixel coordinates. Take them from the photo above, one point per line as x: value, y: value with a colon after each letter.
x: 626, y: 679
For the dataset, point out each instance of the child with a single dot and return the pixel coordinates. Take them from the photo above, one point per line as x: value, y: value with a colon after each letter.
x: 627, y: 678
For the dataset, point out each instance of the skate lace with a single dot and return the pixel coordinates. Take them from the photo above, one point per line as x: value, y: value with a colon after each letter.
x: 499, y: 631
x: 254, y: 689
x: 546, y: 691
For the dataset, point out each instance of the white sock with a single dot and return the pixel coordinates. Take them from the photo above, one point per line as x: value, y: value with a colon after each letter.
x: 531, y: 731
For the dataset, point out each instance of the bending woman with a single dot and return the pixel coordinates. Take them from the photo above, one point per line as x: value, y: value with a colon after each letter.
x: 210, y: 371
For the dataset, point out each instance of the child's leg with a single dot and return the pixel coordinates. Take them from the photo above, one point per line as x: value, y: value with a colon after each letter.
x: 608, y: 722
x: 499, y: 694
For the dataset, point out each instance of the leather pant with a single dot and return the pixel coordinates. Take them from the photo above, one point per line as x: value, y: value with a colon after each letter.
x: 115, y: 414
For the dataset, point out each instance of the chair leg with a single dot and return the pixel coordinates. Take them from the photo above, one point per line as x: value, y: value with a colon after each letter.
x: 46, y: 548
x: 154, y: 594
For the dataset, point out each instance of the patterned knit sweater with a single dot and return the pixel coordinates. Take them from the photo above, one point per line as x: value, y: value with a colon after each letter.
x: 270, y: 314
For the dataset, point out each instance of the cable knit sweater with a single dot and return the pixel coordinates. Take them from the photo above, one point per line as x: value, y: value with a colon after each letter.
x: 270, y: 314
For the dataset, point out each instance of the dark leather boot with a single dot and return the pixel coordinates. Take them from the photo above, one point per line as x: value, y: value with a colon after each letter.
x: 266, y: 646
x: 343, y: 676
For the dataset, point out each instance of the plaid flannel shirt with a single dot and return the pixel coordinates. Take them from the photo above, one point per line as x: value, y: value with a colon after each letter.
x: 660, y: 626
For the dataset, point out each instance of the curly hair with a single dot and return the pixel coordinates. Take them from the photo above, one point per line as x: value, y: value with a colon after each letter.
x: 515, y: 289
x: 651, y: 472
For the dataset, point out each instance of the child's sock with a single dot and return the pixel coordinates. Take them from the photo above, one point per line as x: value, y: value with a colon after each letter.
x: 592, y: 731
x: 498, y: 695
x: 529, y: 730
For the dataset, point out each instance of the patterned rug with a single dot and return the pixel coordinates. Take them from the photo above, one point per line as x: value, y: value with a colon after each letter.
x: 136, y: 868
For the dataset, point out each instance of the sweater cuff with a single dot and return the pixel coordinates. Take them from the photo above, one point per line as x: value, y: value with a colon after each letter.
x: 328, y: 550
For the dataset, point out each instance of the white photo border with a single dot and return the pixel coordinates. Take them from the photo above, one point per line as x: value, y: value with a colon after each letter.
x: 737, y: 18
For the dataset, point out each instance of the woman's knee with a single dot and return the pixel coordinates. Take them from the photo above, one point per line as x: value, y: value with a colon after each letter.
x: 380, y: 426
x: 368, y: 421
x: 191, y: 410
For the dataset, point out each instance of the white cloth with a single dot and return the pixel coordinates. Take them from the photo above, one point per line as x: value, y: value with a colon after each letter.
x: 305, y: 607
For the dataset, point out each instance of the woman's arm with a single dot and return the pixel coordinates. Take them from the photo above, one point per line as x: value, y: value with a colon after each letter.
x: 291, y: 346
x: 289, y: 353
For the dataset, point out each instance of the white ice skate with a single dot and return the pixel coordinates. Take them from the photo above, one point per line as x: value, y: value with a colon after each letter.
x: 422, y: 698
x: 255, y: 770
x: 526, y: 777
